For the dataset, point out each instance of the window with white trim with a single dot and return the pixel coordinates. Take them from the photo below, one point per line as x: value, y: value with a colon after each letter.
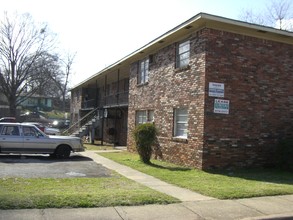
x: 144, y: 116
x: 182, y: 54
x: 150, y: 115
x: 180, y: 123
x: 143, y: 71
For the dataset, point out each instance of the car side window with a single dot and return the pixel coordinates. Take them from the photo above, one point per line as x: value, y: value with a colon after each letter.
x: 10, y: 130
x: 38, y: 134
x: 30, y: 131
x: 27, y: 131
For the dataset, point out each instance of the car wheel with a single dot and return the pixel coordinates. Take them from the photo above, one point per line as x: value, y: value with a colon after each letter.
x: 63, y: 152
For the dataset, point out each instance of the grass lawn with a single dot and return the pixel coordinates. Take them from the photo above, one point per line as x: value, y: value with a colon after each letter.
x: 221, y: 184
x: 20, y: 193
x: 98, y: 147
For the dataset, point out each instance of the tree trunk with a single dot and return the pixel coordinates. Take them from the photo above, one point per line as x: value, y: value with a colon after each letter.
x: 63, y: 102
x: 12, y: 107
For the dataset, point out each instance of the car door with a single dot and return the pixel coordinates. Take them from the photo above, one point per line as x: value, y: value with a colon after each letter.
x: 11, y: 140
x: 35, y: 141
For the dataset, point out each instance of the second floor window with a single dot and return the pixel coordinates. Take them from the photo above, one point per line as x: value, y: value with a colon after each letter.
x: 143, y: 72
x: 183, y: 53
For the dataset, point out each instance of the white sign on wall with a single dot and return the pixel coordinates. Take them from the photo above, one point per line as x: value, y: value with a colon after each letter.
x: 216, y: 89
x: 221, y: 106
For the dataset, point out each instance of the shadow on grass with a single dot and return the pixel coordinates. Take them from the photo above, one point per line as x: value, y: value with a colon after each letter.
x: 39, y: 158
x: 269, y: 175
x: 169, y: 167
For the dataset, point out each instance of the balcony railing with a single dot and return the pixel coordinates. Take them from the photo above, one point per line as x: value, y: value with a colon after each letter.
x: 117, y: 99
x: 88, y: 104
x: 111, y: 100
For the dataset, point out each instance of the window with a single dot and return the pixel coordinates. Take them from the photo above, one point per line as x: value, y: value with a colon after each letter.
x: 144, y: 116
x: 151, y: 116
x: 183, y: 53
x: 30, y: 131
x: 143, y: 72
x: 141, y: 117
x: 180, y: 123
x: 10, y: 130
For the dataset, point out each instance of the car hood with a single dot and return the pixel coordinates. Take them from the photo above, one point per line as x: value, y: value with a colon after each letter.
x: 63, y: 137
x: 52, y: 129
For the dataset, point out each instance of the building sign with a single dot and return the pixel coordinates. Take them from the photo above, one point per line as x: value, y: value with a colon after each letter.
x: 221, y: 106
x: 216, y: 89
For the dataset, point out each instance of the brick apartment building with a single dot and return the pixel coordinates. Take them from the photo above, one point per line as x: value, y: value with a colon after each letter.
x: 219, y: 91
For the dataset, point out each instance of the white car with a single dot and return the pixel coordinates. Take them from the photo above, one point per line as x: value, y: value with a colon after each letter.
x: 28, y: 139
x: 52, y: 131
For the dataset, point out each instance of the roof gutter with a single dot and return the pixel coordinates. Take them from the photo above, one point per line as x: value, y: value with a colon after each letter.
x: 204, y: 17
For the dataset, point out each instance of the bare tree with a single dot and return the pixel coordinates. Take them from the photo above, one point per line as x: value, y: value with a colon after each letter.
x: 276, y: 14
x: 279, y: 12
x: 251, y: 17
x: 23, y: 48
x: 61, y: 77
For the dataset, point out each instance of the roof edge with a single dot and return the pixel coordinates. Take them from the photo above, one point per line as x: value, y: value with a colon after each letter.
x: 201, y: 15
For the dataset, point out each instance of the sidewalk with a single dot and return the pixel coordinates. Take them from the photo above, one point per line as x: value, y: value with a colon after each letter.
x: 193, y: 206
x: 184, y: 195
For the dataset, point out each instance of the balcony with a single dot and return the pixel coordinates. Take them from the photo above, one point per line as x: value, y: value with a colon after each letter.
x: 119, y: 99
x: 89, y: 104
x: 114, y: 100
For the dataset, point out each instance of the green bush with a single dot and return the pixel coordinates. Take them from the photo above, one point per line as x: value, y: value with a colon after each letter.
x: 145, y: 136
x: 285, y: 151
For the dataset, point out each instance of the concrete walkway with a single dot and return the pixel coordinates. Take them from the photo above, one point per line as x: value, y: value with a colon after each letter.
x: 182, y: 194
x: 193, y: 206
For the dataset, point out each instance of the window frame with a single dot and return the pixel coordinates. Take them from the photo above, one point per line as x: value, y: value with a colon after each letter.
x: 179, y: 54
x: 148, y: 116
x: 143, y: 71
x: 140, y: 114
x: 177, y: 123
x: 10, y: 130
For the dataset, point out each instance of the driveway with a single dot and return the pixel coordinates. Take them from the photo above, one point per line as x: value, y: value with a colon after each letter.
x: 43, y: 166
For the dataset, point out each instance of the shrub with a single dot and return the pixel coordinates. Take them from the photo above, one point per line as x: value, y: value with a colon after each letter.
x: 145, y: 136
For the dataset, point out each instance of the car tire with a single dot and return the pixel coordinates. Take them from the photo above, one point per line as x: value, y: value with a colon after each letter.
x: 63, y: 152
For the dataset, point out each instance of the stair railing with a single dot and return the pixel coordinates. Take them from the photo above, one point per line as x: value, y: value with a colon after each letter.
x: 85, y: 119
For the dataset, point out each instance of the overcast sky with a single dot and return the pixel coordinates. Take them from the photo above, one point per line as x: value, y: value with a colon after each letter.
x: 102, y: 32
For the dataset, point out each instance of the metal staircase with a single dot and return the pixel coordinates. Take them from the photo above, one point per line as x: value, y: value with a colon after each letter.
x: 82, y: 126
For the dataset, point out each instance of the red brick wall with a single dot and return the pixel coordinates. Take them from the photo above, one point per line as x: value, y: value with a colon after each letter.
x: 257, y: 75
x: 75, y: 105
x: 258, y: 82
x: 170, y: 88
